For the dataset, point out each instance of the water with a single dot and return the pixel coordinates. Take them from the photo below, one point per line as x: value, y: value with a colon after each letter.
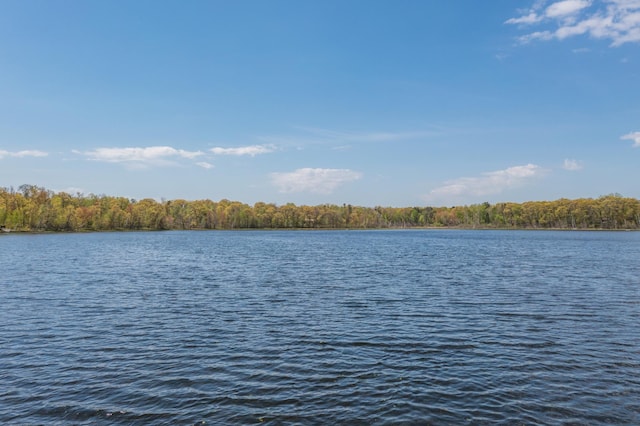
x: 320, y: 327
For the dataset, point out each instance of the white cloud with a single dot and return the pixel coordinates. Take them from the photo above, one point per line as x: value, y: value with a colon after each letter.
x: 72, y: 190
x: 566, y: 7
x: 22, y: 154
x: 488, y: 184
x: 153, y: 155
x: 538, y: 35
x: 572, y: 165
x: 252, y: 150
x: 204, y: 165
x: 322, y: 181
x: 531, y: 18
x: 633, y: 136
x: 614, y: 20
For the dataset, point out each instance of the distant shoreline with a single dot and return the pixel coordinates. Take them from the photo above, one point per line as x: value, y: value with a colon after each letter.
x: 416, y: 228
x: 36, y: 209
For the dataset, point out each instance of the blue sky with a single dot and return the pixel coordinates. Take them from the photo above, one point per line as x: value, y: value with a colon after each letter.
x: 393, y: 103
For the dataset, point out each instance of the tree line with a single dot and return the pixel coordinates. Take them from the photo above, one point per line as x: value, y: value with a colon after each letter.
x: 36, y: 209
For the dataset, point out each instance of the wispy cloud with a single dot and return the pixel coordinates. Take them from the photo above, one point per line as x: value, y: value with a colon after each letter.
x: 572, y: 165
x: 153, y: 155
x: 316, y: 136
x: 566, y: 7
x: 204, y: 165
x: 365, y: 136
x: 614, y: 20
x: 531, y: 18
x: 252, y: 150
x: 633, y: 136
x: 321, y: 181
x: 489, y: 183
x: 22, y: 154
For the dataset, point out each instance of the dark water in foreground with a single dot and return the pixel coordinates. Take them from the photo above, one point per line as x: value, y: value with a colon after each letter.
x: 347, y: 327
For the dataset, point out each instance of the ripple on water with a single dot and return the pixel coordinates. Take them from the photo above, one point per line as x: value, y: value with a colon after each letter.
x: 384, y: 327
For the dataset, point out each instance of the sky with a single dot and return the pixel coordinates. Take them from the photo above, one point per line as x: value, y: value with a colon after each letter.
x: 365, y: 102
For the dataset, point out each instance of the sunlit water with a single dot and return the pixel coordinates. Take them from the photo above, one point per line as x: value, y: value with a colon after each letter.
x: 335, y: 327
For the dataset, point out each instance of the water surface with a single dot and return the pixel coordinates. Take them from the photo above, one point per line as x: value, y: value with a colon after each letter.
x: 320, y: 327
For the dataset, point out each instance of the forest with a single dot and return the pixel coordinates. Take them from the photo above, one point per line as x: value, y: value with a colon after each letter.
x: 35, y: 209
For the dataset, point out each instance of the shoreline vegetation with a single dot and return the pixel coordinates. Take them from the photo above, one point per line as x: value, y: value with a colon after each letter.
x: 36, y: 209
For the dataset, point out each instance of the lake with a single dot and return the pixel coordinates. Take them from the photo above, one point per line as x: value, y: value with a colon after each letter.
x: 320, y: 327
